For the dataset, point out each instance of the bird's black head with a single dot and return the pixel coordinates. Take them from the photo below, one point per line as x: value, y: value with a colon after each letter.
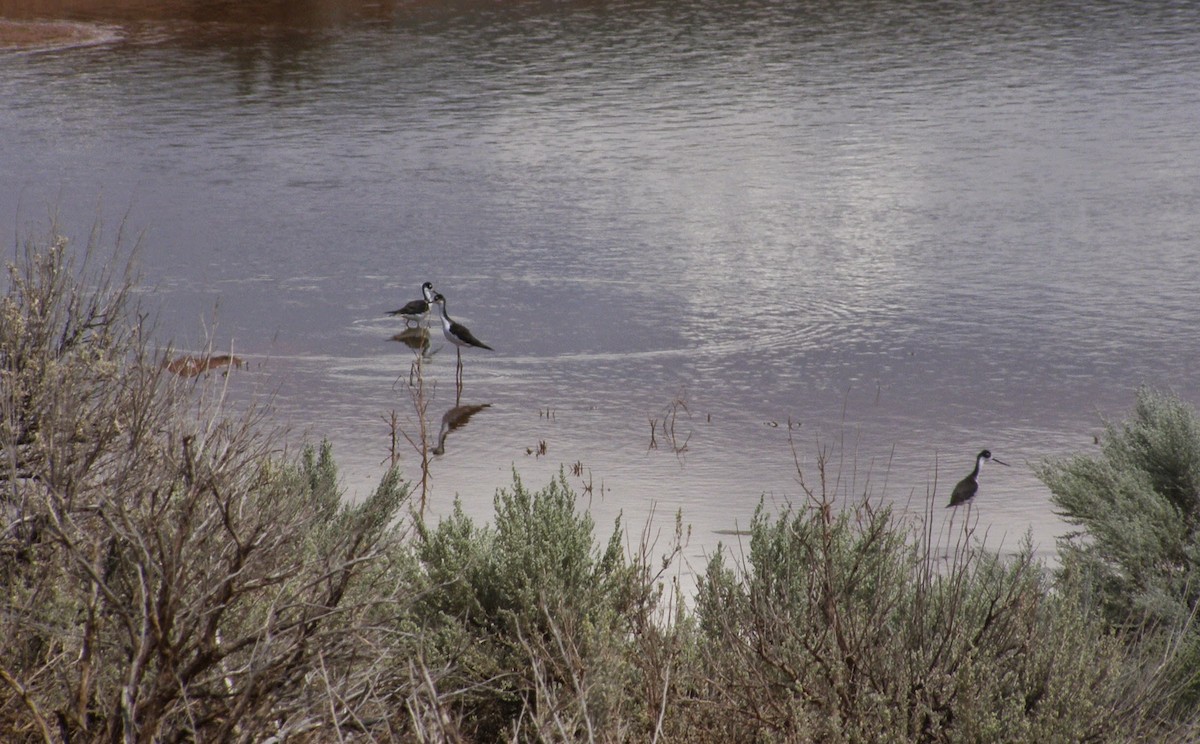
x: 987, y: 455
x: 438, y: 297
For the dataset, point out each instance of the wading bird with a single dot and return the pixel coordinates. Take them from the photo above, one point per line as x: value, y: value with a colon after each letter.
x: 459, y: 335
x: 969, y: 486
x: 414, y: 311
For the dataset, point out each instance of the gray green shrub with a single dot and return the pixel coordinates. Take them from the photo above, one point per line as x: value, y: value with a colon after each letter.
x: 1137, y: 506
x: 533, y: 615
x: 849, y: 626
x: 165, y: 574
x: 1136, y: 552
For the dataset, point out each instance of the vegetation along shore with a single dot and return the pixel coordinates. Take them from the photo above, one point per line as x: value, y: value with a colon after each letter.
x: 173, y: 571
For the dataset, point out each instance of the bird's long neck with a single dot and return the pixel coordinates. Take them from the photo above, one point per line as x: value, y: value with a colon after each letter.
x: 427, y: 293
x: 978, y: 466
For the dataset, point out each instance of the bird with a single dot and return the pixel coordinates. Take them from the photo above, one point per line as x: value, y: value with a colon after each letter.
x: 457, y: 334
x: 969, y: 486
x: 414, y: 311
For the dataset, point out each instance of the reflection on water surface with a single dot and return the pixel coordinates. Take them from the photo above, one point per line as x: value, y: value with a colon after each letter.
x: 913, y: 231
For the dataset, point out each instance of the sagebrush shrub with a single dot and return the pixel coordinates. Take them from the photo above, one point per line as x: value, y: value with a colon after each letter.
x: 1137, y: 506
x: 166, y: 574
x: 849, y: 626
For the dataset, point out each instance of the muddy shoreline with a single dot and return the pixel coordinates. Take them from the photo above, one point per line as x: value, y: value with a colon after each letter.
x: 41, y: 35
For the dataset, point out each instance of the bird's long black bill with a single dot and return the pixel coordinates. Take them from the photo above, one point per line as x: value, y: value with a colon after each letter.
x: 999, y: 462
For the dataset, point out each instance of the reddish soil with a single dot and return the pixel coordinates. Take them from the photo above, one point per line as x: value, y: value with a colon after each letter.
x: 48, y: 34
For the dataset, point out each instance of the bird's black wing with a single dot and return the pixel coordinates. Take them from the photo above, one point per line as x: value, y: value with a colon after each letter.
x: 463, y: 333
x: 963, y: 492
x: 416, y: 307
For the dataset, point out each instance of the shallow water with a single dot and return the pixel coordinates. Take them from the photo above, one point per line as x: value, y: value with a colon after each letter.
x: 912, y: 231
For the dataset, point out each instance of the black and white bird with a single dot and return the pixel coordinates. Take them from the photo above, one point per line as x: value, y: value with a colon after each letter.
x: 457, y: 334
x: 969, y: 486
x: 415, y: 311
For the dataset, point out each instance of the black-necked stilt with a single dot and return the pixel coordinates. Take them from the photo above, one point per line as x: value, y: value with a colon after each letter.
x: 969, y: 486
x: 457, y: 334
x: 414, y: 311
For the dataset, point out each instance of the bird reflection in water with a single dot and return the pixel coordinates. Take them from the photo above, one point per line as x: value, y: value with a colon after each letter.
x: 454, y: 419
x: 415, y: 338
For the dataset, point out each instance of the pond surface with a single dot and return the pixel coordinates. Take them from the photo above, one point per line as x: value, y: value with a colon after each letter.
x: 911, y: 230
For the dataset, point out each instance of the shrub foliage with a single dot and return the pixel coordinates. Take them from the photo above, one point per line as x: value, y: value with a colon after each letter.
x: 165, y: 576
x: 1138, y: 508
x: 1137, y: 550
x: 850, y: 626
x: 170, y: 573
x: 533, y: 618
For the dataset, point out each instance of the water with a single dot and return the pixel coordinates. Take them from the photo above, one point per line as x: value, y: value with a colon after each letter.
x: 913, y: 231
